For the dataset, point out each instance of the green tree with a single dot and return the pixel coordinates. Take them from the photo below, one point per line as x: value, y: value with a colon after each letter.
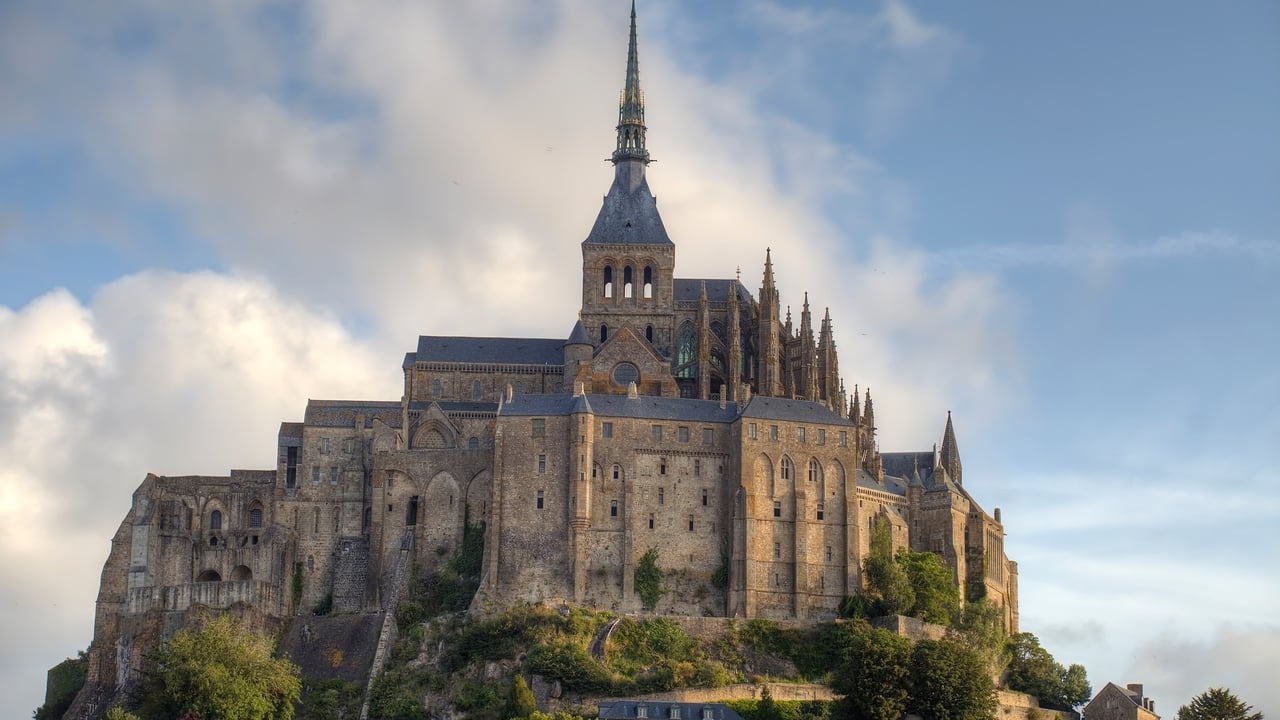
x: 1033, y: 670
x: 648, y: 579
x: 119, y: 713
x: 980, y: 627
x: 65, y: 680
x: 1217, y: 704
x: 888, y: 587
x: 521, y: 703
x: 933, y: 584
x: 767, y: 709
x: 872, y: 678
x: 949, y: 682
x: 220, y: 672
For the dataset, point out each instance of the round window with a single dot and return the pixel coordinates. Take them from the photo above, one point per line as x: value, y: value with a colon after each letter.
x: 624, y: 373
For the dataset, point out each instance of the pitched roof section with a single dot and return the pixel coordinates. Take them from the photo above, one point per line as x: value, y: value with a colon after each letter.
x: 629, y: 215
x: 644, y: 407
x: 502, y: 351
x: 772, y: 408
x: 450, y: 407
x: 905, y: 464
x: 690, y: 290
x: 342, y: 413
x: 290, y: 434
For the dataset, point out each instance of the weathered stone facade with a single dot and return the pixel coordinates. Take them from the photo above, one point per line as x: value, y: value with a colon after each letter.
x: 682, y: 415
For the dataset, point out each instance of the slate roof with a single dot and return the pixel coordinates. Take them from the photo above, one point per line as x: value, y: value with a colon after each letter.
x: 690, y: 290
x: 452, y: 406
x: 342, y: 413
x: 628, y: 217
x: 500, y: 351
x: 290, y: 434
x: 773, y: 408
x: 905, y: 464
x: 644, y: 407
x: 894, y: 485
x: 578, y: 336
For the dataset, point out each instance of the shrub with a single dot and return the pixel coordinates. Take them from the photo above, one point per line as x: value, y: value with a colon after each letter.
x: 648, y: 579
x: 569, y: 663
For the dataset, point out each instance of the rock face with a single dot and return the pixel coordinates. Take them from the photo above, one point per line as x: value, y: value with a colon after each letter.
x: 684, y: 415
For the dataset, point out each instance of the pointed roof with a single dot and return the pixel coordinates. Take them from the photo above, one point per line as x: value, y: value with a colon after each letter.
x: 768, y: 268
x: 630, y: 212
x: 950, y: 454
x: 578, y: 336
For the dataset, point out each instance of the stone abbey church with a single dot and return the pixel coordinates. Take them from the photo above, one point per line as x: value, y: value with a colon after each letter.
x: 683, y: 414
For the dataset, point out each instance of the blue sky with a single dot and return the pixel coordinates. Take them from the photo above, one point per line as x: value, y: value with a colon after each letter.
x: 1061, y: 223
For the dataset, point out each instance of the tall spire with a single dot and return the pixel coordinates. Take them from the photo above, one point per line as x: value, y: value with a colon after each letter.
x: 950, y: 457
x: 631, y: 107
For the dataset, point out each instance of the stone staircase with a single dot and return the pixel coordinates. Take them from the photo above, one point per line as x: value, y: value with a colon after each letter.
x: 392, y: 594
x: 351, y: 575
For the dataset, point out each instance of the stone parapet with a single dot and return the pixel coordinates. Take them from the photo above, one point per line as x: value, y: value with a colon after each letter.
x: 220, y: 595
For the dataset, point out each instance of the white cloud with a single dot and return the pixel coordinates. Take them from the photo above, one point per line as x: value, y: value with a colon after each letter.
x: 1240, y: 654
x: 1096, y: 250
x: 162, y: 372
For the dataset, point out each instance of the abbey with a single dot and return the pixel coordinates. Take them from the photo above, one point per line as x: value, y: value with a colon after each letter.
x: 687, y: 415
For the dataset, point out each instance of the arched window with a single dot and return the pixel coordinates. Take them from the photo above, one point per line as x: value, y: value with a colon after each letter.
x: 617, y: 472
x: 686, y: 353
x: 648, y: 281
x: 215, y: 520
x: 473, y: 443
x: 627, y: 281
x: 241, y: 573
x: 648, y: 333
x: 209, y: 576
x: 608, y: 281
x: 788, y: 470
x: 437, y: 389
x: 604, y: 333
x: 368, y: 518
x: 815, y: 470
x: 475, y: 390
x: 337, y: 519
x: 255, y: 518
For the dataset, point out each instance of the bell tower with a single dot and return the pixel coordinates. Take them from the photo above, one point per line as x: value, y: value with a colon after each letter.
x: 628, y: 261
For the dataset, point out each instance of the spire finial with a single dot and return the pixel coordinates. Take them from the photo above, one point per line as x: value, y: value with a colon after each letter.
x: 631, y: 127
